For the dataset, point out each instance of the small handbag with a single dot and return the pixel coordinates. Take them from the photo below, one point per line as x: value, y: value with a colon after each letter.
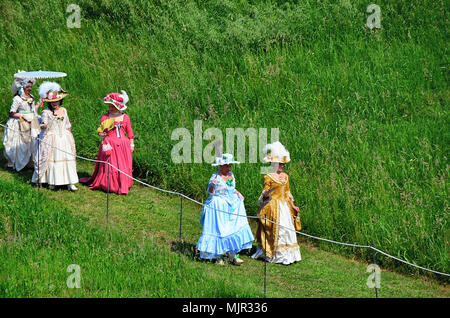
x: 25, y: 131
x: 263, y: 201
x: 297, y: 223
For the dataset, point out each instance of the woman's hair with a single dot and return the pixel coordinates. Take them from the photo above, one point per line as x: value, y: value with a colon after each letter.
x: 49, y: 106
x: 16, y: 89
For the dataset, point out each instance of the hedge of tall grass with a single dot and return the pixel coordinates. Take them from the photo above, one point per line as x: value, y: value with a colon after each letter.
x: 363, y: 113
x: 40, y: 239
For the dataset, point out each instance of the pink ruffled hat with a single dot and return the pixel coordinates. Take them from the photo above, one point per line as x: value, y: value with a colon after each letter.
x: 118, y: 100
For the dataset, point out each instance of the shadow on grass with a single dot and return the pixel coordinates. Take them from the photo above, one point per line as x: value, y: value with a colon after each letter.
x: 186, y: 248
x: 83, y: 175
x: 26, y: 173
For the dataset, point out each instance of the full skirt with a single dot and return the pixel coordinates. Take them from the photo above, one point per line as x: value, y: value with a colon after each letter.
x: 225, y: 227
x: 119, y: 155
x: 17, y: 152
x: 287, y: 251
x: 56, y: 160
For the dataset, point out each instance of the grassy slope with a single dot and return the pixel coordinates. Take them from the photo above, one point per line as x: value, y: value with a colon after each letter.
x: 363, y: 113
x: 140, y: 255
x: 40, y: 238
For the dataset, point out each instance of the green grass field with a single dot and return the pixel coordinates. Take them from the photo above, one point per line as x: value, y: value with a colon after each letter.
x: 40, y: 238
x: 139, y: 254
x: 363, y: 113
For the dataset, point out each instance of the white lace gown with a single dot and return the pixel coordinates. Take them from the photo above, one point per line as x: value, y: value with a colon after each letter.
x: 56, y: 159
x: 18, y: 152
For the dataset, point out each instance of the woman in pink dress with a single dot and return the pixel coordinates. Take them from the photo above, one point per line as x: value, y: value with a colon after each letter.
x: 116, y: 148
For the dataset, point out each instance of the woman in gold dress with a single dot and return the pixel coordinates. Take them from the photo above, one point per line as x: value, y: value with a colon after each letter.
x: 276, y: 236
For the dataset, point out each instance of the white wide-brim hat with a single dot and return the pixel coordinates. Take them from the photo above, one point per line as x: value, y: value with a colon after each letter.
x: 225, y: 159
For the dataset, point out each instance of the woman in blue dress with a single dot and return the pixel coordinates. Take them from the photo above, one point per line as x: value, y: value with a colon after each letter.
x: 225, y: 226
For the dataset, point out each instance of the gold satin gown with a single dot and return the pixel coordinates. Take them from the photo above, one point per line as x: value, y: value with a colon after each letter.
x: 280, y: 244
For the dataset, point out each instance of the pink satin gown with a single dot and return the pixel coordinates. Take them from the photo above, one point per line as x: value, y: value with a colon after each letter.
x: 115, y: 148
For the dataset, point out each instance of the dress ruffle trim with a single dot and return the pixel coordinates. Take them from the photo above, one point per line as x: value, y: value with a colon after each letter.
x: 285, y: 257
x: 211, y: 246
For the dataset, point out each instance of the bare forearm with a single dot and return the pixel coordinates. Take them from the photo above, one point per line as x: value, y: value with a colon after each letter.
x: 15, y: 115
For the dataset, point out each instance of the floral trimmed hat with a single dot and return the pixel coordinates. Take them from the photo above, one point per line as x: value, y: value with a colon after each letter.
x: 118, y: 100
x: 51, y: 92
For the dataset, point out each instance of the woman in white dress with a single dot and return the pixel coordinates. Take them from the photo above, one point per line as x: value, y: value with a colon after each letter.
x: 56, y: 164
x: 22, y: 129
x: 276, y: 236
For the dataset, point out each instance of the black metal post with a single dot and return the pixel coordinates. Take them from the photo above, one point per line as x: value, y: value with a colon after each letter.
x: 181, y: 216
x: 265, y: 256
x: 375, y: 271
x: 38, y: 175
x: 38, y: 160
x: 107, y: 199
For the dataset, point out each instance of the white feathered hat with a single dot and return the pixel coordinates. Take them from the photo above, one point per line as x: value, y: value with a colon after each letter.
x: 51, y: 92
x: 118, y: 100
x: 277, y: 153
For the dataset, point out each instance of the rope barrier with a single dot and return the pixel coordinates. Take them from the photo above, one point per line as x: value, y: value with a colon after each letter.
x: 247, y: 216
